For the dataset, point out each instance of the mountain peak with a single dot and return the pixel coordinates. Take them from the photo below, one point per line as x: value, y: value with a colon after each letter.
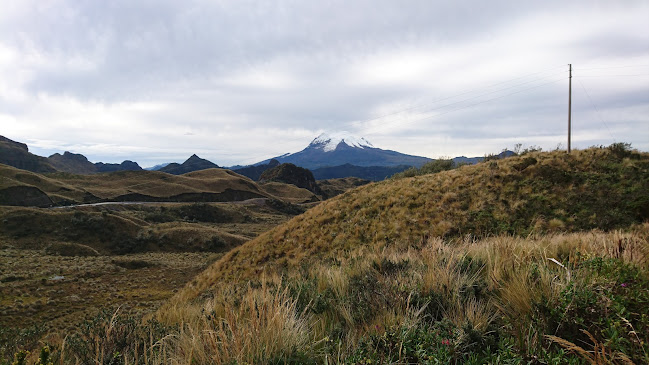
x: 329, y: 142
x: 193, y: 163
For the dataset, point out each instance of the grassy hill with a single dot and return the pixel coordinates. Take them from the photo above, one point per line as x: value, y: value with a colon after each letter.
x: 20, y: 187
x: 536, y: 193
x: 334, y: 187
x: 383, y: 266
x: 541, y: 258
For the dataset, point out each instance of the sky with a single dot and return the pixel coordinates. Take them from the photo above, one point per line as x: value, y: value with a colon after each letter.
x: 237, y: 82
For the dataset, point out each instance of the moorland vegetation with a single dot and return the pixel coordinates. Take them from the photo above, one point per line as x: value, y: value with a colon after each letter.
x: 541, y: 258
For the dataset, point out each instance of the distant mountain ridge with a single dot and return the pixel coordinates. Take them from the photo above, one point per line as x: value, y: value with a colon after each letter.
x: 17, y: 154
x: 76, y: 163
x: 327, y: 156
x: 254, y: 172
x: 340, y: 149
x: 342, y: 155
x: 193, y: 163
x: 157, y: 167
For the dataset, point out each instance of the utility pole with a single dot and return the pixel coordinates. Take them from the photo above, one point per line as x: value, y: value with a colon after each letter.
x: 569, y: 102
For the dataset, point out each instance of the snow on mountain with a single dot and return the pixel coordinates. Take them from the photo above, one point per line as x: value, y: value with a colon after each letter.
x: 342, y: 148
x: 329, y: 142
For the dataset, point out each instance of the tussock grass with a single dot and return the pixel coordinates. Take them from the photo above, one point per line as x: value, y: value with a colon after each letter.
x: 263, y: 326
x: 590, y: 189
x: 467, y: 301
x: 500, y: 286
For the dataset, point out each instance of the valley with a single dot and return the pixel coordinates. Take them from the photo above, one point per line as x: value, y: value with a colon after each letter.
x: 62, y: 266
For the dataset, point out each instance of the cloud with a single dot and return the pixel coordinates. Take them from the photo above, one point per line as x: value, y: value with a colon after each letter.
x: 240, y: 81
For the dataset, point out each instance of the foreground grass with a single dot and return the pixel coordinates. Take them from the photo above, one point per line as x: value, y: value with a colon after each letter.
x: 560, y: 298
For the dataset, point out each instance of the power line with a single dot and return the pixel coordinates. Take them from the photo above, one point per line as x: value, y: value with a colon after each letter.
x: 606, y: 68
x: 596, y: 109
x: 343, y: 127
x: 478, y: 103
x: 613, y: 75
x: 484, y: 91
x: 163, y: 177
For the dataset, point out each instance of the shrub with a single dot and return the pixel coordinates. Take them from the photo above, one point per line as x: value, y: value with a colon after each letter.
x: 620, y: 149
x: 114, y: 338
x: 612, y: 309
x: 431, y: 167
x: 18, y: 340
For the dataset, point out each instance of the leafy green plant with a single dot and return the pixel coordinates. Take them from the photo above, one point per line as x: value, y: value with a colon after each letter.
x: 15, y: 340
x: 612, y: 311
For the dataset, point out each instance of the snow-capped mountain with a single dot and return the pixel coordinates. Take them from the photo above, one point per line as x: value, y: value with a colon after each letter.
x: 337, y: 149
x: 329, y: 142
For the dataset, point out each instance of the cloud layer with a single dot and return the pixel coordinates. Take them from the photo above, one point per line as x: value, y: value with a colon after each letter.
x: 240, y: 81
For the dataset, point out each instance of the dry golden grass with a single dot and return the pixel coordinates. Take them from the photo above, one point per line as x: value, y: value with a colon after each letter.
x: 599, y: 355
x: 65, y: 187
x: 81, y: 244
x: 519, y: 272
x: 30, y: 294
x: 57, y: 190
x: 288, y: 192
x: 265, y: 325
x: 476, y: 246
x: 473, y: 201
x: 160, y: 184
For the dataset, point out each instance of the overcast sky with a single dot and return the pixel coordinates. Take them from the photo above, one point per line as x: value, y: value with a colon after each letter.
x: 240, y: 81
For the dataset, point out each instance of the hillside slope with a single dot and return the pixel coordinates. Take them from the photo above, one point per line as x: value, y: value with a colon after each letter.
x: 538, y: 192
x: 24, y: 188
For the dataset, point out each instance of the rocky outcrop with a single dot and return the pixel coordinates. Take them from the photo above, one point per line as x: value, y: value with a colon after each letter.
x: 290, y: 174
x: 17, y: 154
x: 112, y: 167
x: 73, y: 163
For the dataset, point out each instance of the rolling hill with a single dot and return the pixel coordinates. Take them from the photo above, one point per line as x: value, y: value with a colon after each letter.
x: 290, y: 174
x: 525, y: 259
x: 539, y: 192
x: 20, y: 187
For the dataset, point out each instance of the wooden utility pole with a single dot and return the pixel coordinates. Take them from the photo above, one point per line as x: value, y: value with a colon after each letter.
x: 569, y: 102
